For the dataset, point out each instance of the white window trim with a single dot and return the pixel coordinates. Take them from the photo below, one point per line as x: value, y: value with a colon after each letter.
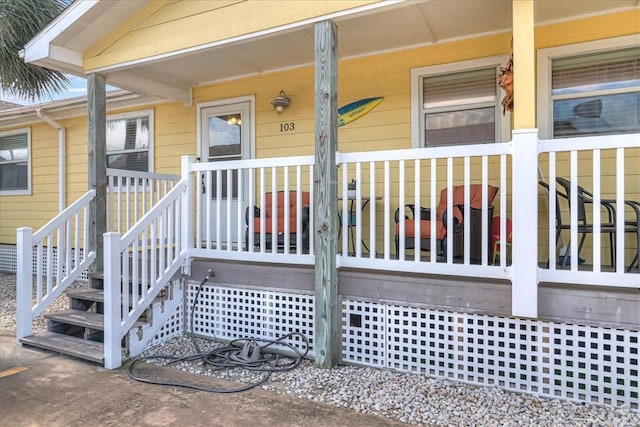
x: 545, y: 56
x: 150, y: 113
x: 26, y: 192
x: 503, y: 128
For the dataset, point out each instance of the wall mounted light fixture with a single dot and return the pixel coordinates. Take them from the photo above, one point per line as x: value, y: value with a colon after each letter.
x: 280, y: 102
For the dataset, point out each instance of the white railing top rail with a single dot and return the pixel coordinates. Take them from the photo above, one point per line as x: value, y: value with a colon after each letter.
x: 255, y: 256
x: 151, y: 214
x: 137, y: 174
x: 426, y: 153
x: 62, y: 217
x: 254, y: 163
x: 584, y: 143
x: 594, y: 278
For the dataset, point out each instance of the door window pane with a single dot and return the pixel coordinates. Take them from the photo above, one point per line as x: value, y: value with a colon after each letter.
x: 225, y: 136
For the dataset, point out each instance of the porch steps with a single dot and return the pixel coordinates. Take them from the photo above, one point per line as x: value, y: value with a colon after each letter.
x: 73, y: 317
x: 67, y: 344
x: 79, y: 330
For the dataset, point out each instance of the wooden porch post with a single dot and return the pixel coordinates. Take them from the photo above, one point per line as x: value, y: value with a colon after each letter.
x: 327, y: 301
x: 97, y: 163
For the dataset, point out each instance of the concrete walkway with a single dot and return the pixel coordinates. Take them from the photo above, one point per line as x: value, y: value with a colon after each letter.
x: 38, y: 388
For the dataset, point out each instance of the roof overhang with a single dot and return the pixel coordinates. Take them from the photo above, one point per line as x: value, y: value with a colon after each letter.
x: 60, y: 45
x: 378, y: 27
x: 71, y: 107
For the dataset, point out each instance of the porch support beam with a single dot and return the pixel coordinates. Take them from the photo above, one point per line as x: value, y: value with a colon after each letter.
x: 97, y: 164
x: 327, y: 302
x: 524, y: 80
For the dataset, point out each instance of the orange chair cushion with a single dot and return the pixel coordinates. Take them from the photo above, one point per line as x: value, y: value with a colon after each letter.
x: 475, y: 197
x: 280, y: 211
x: 475, y: 200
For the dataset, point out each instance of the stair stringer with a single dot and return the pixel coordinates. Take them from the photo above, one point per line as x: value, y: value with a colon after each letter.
x: 138, y: 339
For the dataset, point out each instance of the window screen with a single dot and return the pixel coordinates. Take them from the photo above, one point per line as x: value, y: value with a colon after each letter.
x: 596, y: 94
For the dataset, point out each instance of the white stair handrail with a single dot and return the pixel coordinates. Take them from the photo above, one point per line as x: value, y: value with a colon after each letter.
x: 139, y: 264
x: 73, y: 257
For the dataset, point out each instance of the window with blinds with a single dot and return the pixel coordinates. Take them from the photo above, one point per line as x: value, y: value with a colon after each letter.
x: 460, y: 107
x: 128, y: 143
x: 14, y: 162
x: 596, y: 94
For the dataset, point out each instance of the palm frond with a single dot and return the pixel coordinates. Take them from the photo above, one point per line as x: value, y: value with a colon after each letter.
x: 20, y: 21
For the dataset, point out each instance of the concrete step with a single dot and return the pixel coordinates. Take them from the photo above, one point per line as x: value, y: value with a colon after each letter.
x: 65, y: 344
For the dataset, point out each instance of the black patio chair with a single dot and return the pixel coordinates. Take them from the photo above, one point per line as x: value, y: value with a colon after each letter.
x: 585, y: 207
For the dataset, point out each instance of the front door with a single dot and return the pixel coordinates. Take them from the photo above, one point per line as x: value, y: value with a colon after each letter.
x: 225, y: 134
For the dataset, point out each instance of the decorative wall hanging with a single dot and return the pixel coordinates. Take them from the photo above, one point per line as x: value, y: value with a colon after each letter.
x: 357, y: 109
x: 505, y: 81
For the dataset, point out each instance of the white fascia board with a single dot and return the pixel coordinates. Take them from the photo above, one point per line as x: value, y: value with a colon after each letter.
x: 61, y: 59
x: 39, y: 48
x: 67, y: 56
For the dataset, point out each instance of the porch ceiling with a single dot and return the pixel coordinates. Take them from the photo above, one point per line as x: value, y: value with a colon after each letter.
x: 395, y: 25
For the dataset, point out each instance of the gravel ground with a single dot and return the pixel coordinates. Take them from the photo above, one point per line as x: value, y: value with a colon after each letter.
x: 410, y: 398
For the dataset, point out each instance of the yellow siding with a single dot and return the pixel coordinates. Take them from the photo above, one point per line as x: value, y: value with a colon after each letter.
x: 175, y: 136
x: 588, y: 29
x: 193, y: 23
x: 34, y: 210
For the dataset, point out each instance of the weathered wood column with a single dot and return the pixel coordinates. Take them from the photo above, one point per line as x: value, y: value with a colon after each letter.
x: 327, y: 302
x: 97, y: 164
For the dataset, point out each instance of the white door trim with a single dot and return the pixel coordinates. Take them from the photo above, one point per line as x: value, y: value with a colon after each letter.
x: 221, y: 102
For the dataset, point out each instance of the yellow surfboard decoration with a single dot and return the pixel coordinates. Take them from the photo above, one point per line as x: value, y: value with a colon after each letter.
x: 357, y: 109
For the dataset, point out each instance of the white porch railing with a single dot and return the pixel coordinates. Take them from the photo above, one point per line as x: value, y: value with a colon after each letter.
x: 249, y: 225
x: 598, y: 165
x: 389, y: 180
x: 131, y: 194
x: 68, y: 231
x: 138, y: 265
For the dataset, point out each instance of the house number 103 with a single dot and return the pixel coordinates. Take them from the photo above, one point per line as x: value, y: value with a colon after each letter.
x: 287, y: 127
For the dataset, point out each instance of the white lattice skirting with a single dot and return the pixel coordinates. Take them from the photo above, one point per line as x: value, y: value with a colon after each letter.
x: 577, y: 362
x: 9, y: 260
x: 172, y: 328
